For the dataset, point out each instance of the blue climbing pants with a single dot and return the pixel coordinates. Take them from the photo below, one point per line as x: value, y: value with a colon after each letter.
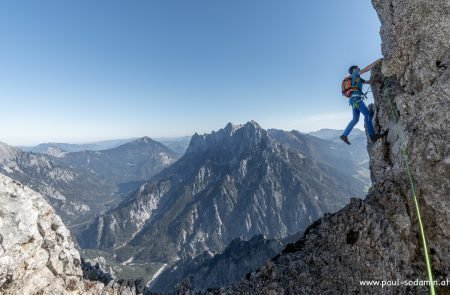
x: 358, y: 106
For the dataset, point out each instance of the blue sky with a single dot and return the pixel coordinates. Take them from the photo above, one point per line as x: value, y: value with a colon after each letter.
x: 78, y: 71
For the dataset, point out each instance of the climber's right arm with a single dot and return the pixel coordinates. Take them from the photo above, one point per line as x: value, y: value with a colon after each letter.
x: 366, y: 69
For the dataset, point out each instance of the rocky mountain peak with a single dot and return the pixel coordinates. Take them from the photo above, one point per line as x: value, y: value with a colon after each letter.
x: 232, y: 128
x: 145, y: 145
x: 232, y: 136
x: 144, y: 139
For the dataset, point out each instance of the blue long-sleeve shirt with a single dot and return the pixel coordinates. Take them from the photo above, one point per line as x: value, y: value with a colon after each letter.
x: 357, y: 81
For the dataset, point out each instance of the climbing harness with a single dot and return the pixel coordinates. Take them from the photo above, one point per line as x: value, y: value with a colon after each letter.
x: 417, y: 206
x: 356, y: 102
x: 362, y: 96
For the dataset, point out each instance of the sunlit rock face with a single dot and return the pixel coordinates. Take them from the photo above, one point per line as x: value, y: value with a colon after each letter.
x: 36, y: 250
x: 37, y: 254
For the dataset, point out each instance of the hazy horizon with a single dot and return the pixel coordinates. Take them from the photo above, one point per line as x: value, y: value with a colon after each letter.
x: 146, y: 135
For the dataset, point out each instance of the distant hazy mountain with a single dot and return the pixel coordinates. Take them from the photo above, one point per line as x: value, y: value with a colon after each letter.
x: 210, y: 271
x: 55, y: 152
x: 237, y: 182
x: 333, y: 134
x: 132, y: 162
x: 353, y: 159
x: 358, y: 139
x: 81, y: 185
x: 76, y: 194
x: 178, y: 144
x: 69, y: 147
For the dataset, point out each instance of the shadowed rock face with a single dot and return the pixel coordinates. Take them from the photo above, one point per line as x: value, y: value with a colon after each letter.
x: 378, y: 238
x: 230, y: 266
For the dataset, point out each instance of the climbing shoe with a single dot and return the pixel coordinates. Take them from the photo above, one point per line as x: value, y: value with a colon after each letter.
x: 344, y: 139
x: 375, y: 137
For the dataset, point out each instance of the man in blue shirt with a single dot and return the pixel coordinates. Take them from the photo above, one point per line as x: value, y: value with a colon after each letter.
x: 357, y: 104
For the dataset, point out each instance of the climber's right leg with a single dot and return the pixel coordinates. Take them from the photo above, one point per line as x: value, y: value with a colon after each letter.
x: 350, y: 125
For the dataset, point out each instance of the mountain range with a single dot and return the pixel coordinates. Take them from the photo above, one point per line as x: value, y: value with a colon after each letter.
x: 241, y: 174
x: 126, y: 164
x: 72, y: 147
x: 80, y: 185
x: 176, y: 144
x: 237, y: 182
x: 330, y: 150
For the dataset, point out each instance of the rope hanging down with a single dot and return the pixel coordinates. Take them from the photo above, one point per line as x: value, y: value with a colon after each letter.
x: 422, y: 231
x: 416, y: 203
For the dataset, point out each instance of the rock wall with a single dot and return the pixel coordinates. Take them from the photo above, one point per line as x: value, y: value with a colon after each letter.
x: 37, y: 255
x: 378, y: 238
x: 36, y: 250
x: 412, y: 91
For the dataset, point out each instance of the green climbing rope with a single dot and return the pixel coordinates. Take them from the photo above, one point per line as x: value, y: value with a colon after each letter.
x: 416, y: 203
x: 422, y: 231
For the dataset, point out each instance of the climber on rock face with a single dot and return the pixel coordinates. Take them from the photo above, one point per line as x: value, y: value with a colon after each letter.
x: 354, y: 92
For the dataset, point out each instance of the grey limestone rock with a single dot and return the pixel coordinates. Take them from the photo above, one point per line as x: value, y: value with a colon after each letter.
x: 37, y: 254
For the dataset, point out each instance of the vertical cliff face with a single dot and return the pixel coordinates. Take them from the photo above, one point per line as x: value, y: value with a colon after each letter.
x: 378, y: 238
x: 412, y: 91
